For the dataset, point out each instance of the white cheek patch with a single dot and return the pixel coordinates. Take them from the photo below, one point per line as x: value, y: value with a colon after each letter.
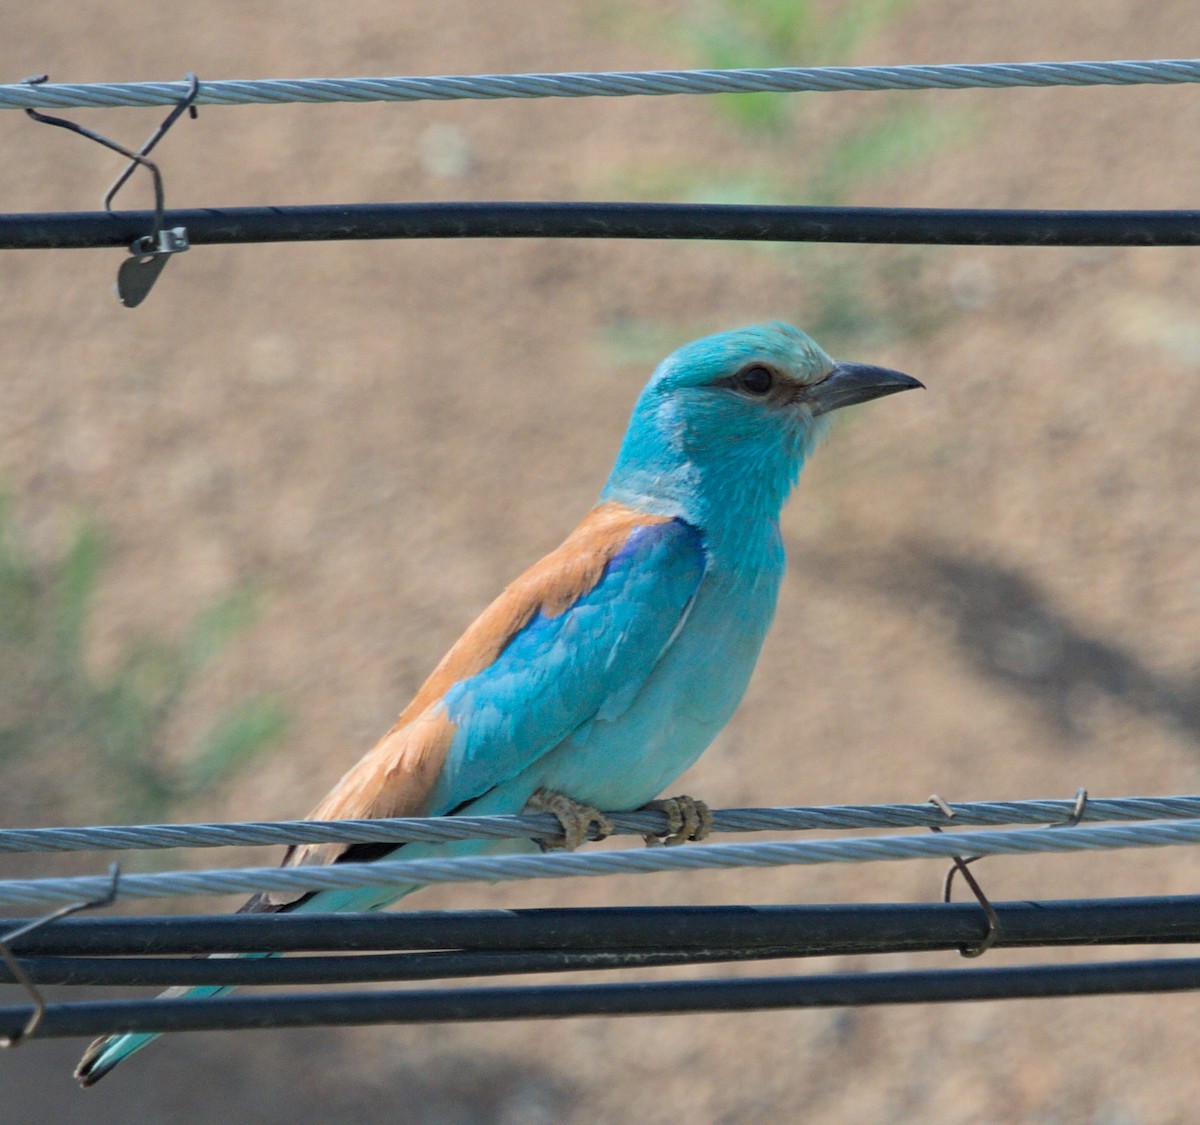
x: 674, y: 431
x: 673, y: 425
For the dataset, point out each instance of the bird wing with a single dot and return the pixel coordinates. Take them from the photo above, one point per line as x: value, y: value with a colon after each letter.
x: 572, y: 639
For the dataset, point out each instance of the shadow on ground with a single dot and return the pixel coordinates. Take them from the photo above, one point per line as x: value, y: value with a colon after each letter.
x: 1012, y: 633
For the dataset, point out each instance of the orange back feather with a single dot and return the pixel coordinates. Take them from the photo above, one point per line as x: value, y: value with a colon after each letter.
x: 398, y: 775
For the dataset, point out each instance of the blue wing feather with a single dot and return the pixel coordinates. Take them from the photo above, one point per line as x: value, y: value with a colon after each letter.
x: 560, y: 672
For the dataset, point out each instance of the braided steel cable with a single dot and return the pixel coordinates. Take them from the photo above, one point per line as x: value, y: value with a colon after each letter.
x: 421, y: 872
x: 612, y: 84
x: 539, y: 825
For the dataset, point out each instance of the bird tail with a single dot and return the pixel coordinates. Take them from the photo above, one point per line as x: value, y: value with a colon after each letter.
x: 109, y: 1050
x: 106, y: 1052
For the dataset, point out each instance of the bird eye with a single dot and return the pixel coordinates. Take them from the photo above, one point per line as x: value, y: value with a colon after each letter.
x: 756, y: 380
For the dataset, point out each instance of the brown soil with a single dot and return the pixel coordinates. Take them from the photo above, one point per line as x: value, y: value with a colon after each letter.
x: 992, y: 585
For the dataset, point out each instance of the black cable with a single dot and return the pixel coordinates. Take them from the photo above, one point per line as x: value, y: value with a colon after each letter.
x: 648, y: 998
x: 160, y: 972
x: 934, y: 226
x: 805, y: 930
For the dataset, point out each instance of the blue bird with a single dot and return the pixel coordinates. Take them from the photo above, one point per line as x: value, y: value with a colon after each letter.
x: 604, y: 670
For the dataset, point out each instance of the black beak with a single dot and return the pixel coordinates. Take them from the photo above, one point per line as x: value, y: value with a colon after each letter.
x: 849, y: 383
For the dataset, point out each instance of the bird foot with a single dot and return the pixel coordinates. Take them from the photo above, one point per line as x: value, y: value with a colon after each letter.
x: 688, y: 819
x: 576, y: 819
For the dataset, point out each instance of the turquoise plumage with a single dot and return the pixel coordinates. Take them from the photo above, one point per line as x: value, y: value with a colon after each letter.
x: 605, y: 670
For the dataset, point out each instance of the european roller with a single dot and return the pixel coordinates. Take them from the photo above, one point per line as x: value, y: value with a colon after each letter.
x: 602, y: 672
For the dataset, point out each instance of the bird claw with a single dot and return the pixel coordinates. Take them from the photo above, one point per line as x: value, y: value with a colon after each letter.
x: 687, y: 820
x: 575, y: 817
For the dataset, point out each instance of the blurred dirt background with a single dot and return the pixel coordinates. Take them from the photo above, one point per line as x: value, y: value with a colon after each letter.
x: 994, y: 588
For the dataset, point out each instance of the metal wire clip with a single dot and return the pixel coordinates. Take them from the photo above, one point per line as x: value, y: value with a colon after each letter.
x: 150, y: 253
x: 961, y: 866
x: 23, y: 978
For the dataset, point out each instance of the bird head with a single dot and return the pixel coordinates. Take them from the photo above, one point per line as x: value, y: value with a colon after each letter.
x: 726, y: 422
